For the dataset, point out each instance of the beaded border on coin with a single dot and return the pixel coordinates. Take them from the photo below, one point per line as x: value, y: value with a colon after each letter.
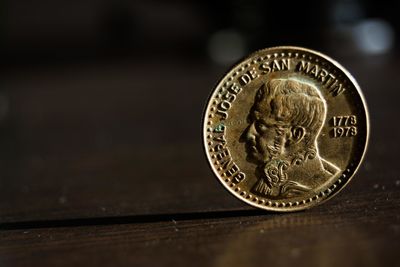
x: 254, y: 58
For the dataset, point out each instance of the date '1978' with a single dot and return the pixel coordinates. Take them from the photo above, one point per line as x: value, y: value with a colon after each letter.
x: 344, y: 126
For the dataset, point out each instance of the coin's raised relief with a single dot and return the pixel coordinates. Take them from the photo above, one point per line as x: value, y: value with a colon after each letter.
x: 285, y: 121
x: 286, y: 128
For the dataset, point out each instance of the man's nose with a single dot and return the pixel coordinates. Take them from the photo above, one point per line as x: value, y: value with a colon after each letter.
x: 249, y: 134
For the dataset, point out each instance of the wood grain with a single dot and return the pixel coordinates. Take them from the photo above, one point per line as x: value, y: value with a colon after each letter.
x: 101, y: 166
x: 104, y: 140
x: 348, y: 231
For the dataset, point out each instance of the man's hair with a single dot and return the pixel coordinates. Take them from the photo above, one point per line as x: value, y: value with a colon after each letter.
x: 291, y: 102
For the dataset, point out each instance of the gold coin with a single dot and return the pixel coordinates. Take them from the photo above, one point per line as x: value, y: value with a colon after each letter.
x: 285, y: 129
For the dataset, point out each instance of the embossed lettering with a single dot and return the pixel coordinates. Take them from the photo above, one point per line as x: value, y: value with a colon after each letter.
x: 232, y: 170
x: 344, y: 120
x: 248, y: 76
x: 223, y: 108
x: 315, y: 70
x: 333, y: 85
x: 228, y: 97
x: 336, y: 89
x: 331, y: 79
x: 223, y: 159
x: 344, y: 131
x: 239, y: 177
x: 223, y: 114
x: 275, y: 65
x: 344, y: 126
x: 285, y: 64
x: 223, y: 156
x: 322, y: 75
x: 220, y: 139
x: 303, y: 66
x: 265, y: 68
x: 224, y: 105
x: 234, y: 88
x: 218, y: 147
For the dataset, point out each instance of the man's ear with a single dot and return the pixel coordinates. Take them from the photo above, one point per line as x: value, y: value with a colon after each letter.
x: 297, y: 133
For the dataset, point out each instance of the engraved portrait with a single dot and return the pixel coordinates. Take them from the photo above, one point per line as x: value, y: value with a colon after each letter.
x: 281, y: 139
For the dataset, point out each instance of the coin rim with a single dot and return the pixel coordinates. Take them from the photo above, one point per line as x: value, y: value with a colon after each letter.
x: 311, y: 203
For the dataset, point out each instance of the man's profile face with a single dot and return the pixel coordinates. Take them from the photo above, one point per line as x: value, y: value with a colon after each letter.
x: 262, y: 137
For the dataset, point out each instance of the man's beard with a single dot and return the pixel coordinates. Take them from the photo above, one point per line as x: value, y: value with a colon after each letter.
x: 272, y: 176
x: 272, y: 169
x: 273, y: 180
x: 275, y: 172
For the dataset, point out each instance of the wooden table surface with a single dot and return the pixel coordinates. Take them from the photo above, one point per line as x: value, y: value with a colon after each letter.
x: 102, y: 165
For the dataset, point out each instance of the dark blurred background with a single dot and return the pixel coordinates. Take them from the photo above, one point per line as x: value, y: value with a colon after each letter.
x: 73, y: 31
x: 101, y: 101
x: 101, y: 159
x: 70, y: 32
